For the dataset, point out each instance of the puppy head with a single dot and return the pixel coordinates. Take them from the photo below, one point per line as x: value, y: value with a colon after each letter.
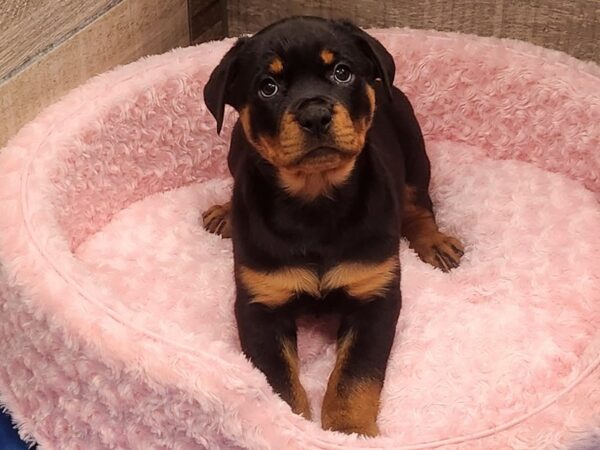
x: 304, y: 90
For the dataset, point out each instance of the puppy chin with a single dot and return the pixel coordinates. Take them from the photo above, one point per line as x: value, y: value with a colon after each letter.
x: 321, y: 159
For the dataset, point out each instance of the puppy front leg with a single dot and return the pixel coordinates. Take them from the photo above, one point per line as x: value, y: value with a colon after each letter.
x: 423, y: 234
x: 365, y: 338
x: 268, y: 338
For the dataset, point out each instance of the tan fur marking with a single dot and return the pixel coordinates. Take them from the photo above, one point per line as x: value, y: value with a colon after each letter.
x: 281, y: 150
x: 417, y: 221
x: 361, y: 281
x: 351, y: 134
x: 309, y: 186
x: 310, y: 183
x: 278, y: 287
x: 276, y: 66
x: 344, y: 131
x: 263, y: 146
x: 315, y: 177
x: 372, y: 99
x: 362, y: 125
x: 432, y: 246
x: 350, y: 406
x: 327, y: 56
x: 299, y: 401
x: 291, y: 138
x: 245, y: 121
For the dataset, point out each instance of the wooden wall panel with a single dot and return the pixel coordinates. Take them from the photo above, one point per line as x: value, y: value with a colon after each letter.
x: 127, y: 31
x: 29, y: 28
x: 208, y: 20
x: 571, y: 26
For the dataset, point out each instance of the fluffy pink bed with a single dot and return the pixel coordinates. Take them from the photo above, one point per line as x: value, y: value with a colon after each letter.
x: 116, y: 325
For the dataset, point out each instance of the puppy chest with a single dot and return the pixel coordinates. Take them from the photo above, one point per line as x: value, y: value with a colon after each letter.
x: 362, y: 281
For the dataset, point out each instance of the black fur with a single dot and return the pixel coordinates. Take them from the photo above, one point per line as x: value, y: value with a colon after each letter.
x: 361, y: 219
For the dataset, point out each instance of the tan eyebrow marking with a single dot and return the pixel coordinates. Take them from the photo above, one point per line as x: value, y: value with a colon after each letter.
x: 276, y: 66
x: 327, y: 56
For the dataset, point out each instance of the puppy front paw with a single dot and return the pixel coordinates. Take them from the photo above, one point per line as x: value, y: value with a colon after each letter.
x: 217, y: 220
x: 439, y: 250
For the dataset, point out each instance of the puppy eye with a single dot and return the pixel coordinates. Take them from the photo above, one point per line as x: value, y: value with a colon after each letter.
x: 342, y: 73
x: 268, y: 87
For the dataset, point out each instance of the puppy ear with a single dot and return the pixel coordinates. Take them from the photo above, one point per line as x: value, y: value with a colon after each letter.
x: 219, y: 90
x: 383, y: 62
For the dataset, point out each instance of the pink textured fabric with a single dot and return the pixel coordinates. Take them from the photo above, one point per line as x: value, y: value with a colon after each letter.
x: 116, y: 307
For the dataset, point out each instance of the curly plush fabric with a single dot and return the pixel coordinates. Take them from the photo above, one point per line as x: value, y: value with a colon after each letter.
x: 117, y: 328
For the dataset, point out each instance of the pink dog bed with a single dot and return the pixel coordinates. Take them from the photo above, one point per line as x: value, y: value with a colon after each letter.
x: 117, y: 328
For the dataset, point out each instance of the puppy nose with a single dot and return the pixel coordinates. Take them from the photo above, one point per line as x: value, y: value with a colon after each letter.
x: 315, y: 116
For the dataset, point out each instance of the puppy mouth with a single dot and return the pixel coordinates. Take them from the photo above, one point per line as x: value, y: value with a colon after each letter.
x: 322, y: 155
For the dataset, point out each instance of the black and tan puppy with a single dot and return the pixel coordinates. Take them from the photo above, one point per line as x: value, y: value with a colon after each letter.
x: 330, y: 169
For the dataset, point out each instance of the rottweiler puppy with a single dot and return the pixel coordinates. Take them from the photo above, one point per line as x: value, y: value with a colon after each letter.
x: 329, y: 169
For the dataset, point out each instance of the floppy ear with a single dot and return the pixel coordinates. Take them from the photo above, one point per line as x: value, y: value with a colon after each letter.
x: 383, y: 62
x: 218, y: 91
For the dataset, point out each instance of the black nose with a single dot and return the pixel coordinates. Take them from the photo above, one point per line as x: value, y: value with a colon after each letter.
x: 314, y: 116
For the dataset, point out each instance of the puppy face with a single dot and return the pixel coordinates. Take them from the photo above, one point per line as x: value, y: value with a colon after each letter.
x: 308, y: 107
x: 304, y: 91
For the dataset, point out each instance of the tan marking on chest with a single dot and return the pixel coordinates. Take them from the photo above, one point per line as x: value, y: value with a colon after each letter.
x: 309, y: 186
x: 360, y: 280
x: 275, y: 288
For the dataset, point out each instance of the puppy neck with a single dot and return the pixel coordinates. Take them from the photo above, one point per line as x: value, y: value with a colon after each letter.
x: 310, y: 186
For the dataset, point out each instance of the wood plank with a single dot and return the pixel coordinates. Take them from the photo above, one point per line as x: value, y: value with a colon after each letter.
x: 195, y: 7
x: 212, y: 33
x: 570, y: 26
x: 207, y: 20
x: 131, y: 29
x: 29, y: 28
